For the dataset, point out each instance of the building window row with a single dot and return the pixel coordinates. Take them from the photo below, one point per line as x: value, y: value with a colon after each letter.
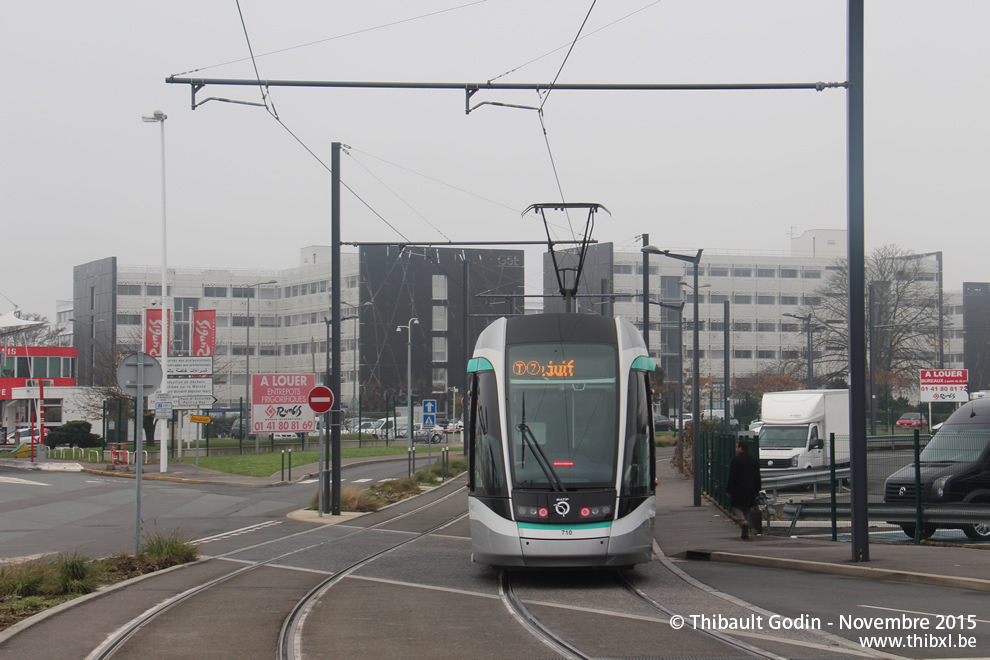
x: 741, y: 299
x: 141, y: 289
x: 761, y: 272
x: 713, y: 325
x: 306, y: 289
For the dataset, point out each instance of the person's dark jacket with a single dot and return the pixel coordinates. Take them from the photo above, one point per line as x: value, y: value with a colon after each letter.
x: 744, y: 480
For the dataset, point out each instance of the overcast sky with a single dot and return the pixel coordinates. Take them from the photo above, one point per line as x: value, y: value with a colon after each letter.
x: 723, y: 170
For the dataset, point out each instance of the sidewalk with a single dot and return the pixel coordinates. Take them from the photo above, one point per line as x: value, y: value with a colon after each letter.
x: 705, y: 532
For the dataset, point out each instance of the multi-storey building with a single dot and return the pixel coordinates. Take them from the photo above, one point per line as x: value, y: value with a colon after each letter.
x: 277, y: 321
x: 766, y: 292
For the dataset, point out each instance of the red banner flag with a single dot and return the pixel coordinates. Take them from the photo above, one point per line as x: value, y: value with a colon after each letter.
x: 204, y: 332
x: 153, y: 332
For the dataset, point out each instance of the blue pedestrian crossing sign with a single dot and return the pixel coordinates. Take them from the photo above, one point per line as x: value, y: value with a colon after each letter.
x: 429, y: 413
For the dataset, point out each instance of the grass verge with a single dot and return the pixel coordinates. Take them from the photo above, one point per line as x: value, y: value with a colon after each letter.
x: 265, y: 465
x: 389, y: 492
x: 34, y: 586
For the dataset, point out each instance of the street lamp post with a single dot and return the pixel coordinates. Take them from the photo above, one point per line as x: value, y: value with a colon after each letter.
x: 160, y: 117
x: 811, y: 370
x: 247, y: 362
x: 409, y: 424
x: 696, y: 382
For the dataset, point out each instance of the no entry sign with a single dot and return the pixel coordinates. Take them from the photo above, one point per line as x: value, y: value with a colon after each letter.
x: 944, y: 385
x: 321, y: 399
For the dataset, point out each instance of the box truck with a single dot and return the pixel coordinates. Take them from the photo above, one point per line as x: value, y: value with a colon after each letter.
x: 797, y: 425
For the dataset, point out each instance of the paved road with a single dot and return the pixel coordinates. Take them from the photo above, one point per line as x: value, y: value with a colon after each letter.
x: 50, y: 512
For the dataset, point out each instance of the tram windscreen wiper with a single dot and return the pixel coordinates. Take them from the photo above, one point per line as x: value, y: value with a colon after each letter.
x: 541, y: 459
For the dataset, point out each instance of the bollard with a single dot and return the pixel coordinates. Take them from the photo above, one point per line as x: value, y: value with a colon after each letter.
x: 282, y: 475
x: 290, y: 463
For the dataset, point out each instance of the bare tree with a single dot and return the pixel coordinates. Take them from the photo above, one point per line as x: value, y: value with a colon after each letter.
x: 35, y: 335
x: 905, y: 321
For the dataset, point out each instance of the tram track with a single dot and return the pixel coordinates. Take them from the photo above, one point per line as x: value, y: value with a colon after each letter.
x: 117, y: 640
x: 569, y: 649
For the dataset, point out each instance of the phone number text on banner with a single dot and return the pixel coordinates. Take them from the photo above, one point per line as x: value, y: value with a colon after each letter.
x: 279, y: 403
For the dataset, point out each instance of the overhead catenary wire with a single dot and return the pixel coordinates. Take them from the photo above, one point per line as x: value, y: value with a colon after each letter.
x: 567, y: 56
x: 562, y: 46
x: 333, y: 38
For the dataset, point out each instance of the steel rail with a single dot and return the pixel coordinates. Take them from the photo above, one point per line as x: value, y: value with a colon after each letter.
x: 289, y: 646
x: 526, y: 618
x: 714, y: 634
x: 114, y: 643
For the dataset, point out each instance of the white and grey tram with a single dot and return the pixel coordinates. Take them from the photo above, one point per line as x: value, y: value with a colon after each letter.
x: 562, y: 460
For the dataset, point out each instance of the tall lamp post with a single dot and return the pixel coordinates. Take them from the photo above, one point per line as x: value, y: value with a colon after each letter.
x: 409, y: 424
x: 811, y: 368
x: 160, y: 117
x: 247, y: 361
x: 696, y: 382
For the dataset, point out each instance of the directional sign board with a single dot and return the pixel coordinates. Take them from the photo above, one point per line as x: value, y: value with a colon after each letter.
x: 320, y: 399
x: 945, y: 385
x: 279, y: 402
x: 193, y: 402
x: 429, y: 413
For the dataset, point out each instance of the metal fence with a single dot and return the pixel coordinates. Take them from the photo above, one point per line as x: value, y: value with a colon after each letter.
x: 915, y: 491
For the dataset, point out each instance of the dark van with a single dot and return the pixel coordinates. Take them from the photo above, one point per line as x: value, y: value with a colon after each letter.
x: 955, y: 467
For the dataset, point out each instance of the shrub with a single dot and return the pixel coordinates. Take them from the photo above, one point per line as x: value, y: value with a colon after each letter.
x: 75, y: 434
x: 162, y: 550
x: 24, y: 579
x: 74, y: 574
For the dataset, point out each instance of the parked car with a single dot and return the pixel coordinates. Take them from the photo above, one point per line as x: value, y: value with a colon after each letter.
x: 455, y: 426
x: 24, y: 435
x: 663, y: 423
x: 431, y: 434
x: 911, y: 421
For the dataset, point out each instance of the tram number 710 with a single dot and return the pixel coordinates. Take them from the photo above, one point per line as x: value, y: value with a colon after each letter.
x: 566, y: 532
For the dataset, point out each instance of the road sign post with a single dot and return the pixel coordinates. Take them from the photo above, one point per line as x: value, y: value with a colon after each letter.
x: 320, y: 399
x: 429, y: 413
x: 138, y: 375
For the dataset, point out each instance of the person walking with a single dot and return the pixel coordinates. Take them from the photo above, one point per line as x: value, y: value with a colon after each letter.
x: 743, y: 484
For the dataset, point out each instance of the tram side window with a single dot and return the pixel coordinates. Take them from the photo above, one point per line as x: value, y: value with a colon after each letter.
x: 637, y: 475
x: 488, y: 466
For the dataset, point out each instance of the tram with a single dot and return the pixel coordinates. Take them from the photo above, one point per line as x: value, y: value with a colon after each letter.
x: 562, y: 460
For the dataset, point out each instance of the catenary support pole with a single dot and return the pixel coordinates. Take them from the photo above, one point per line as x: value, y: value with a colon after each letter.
x: 857, y: 281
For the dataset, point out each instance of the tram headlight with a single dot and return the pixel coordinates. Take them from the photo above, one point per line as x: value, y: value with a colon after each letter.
x: 594, y: 511
x: 585, y: 512
x: 606, y: 510
x: 543, y: 512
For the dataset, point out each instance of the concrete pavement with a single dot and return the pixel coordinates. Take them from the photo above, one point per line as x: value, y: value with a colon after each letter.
x: 689, y: 532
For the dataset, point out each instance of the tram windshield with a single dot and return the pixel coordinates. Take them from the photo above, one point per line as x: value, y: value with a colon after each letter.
x: 562, y: 403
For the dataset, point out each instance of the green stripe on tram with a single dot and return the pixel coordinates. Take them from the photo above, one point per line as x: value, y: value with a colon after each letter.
x: 598, y: 525
x: 644, y: 363
x: 479, y: 364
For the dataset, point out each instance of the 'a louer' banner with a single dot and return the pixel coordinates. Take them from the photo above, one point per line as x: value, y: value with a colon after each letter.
x: 204, y: 331
x: 153, y: 332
